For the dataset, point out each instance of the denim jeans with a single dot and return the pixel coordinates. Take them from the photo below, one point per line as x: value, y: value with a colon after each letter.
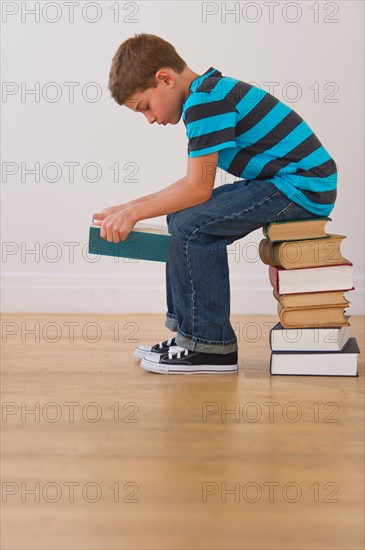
x: 197, y: 273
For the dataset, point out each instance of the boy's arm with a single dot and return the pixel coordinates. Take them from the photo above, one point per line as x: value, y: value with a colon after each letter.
x: 158, y: 194
x: 127, y: 206
x: 195, y: 188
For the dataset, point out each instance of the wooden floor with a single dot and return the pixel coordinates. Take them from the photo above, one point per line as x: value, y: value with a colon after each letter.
x: 99, y: 454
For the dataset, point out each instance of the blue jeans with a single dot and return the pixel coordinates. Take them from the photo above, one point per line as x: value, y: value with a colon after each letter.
x: 197, y: 273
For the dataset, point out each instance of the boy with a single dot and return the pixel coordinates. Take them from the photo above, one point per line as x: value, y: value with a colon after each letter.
x: 287, y: 175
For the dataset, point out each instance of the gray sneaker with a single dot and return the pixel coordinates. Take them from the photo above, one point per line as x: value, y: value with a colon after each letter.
x: 159, y: 348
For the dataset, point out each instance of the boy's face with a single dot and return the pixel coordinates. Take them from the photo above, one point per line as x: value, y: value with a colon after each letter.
x: 162, y: 104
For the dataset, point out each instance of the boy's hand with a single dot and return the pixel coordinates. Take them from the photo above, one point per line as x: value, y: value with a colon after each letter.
x: 115, y: 227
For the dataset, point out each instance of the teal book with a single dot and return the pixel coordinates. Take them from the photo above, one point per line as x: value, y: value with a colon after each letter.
x: 144, y: 242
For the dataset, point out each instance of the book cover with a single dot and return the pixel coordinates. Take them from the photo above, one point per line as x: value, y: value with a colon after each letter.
x: 144, y: 242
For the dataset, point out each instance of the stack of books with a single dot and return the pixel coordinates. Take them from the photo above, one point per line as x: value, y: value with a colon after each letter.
x: 145, y: 242
x: 309, y: 277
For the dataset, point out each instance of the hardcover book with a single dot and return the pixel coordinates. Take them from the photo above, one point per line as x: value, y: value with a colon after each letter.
x: 312, y: 228
x: 144, y: 242
x: 291, y: 317
x: 303, y: 253
x: 311, y: 279
x: 319, y: 338
x: 312, y: 299
x: 317, y: 363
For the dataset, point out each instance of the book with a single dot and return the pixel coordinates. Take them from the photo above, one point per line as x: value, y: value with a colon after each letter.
x: 312, y: 299
x: 317, y: 363
x: 303, y: 253
x: 311, y: 279
x: 144, y: 242
x: 291, y: 317
x: 311, y: 228
x: 321, y: 338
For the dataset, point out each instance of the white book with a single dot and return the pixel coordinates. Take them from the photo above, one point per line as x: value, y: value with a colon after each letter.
x: 313, y: 279
x: 309, y: 339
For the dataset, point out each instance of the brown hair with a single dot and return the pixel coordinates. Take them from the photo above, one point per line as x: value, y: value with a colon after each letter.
x: 136, y: 62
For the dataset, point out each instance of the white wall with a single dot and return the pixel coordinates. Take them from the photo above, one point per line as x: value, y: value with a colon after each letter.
x: 321, y: 52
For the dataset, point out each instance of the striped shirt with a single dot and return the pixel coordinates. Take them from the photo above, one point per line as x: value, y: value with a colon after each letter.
x: 258, y: 137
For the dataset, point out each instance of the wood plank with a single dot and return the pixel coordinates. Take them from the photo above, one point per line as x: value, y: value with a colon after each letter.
x: 301, y: 436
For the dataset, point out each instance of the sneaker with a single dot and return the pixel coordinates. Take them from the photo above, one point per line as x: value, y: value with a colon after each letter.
x: 183, y: 361
x: 158, y: 349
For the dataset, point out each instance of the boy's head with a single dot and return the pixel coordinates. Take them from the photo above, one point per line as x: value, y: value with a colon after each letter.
x: 148, y: 75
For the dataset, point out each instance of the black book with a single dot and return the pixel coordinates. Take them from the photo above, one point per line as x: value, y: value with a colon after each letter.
x: 317, y: 363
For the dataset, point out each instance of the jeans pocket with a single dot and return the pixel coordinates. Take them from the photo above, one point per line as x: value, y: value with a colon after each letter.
x: 292, y: 211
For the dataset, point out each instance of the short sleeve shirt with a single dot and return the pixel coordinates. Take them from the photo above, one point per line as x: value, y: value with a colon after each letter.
x: 258, y: 137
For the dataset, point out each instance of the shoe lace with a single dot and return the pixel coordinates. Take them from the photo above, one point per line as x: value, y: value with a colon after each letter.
x: 168, y: 342
x: 178, y: 351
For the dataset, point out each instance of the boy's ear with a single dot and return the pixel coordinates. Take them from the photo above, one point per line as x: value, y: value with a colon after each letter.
x: 164, y: 76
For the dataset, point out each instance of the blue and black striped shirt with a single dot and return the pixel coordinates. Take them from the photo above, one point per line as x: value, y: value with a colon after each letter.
x: 259, y: 138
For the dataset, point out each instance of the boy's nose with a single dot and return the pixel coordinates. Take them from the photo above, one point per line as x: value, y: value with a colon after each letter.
x: 151, y: 119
